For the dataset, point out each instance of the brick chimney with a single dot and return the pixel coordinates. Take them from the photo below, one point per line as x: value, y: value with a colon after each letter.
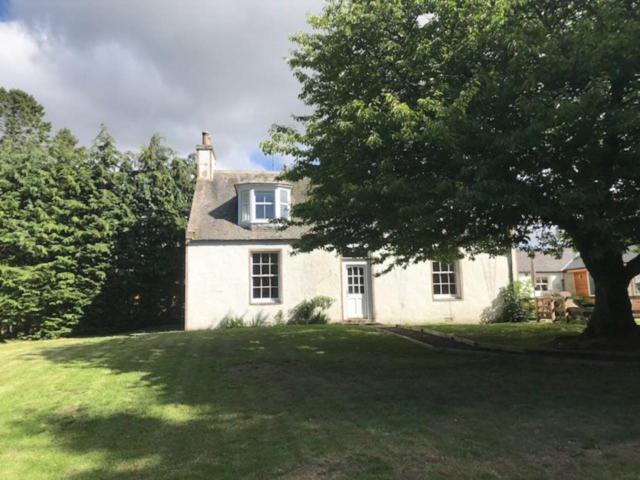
x: 206, y: 158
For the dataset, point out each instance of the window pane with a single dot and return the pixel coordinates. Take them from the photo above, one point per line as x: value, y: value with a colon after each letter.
x: 284, y: 210
x: 269, y: 211
x: 285, y: 200
x: 245, y: 215
x: 265, y: 205
x: 264, y: 274
x: 444, y: 277
x: 264, y: 197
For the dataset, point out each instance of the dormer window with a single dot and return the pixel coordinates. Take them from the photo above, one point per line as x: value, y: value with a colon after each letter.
x: 262, y: 203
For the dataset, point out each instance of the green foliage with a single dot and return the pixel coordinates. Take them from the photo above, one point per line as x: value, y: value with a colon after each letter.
x: 513, y: 304
x: 90, y: 240
x: 311, y: 311
x: 21, y: 119
x: 278, y: 318
x: 259, y: 320
x: 232, y: 321
x: 469, y: 131
x: 147, y: 288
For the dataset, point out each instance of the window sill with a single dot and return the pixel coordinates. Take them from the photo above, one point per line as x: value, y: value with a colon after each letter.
x: 265, y: 302
x: 271, y: 224
x: 446, y: 298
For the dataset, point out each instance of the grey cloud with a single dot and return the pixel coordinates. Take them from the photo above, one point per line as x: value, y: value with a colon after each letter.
x: 172, y: 67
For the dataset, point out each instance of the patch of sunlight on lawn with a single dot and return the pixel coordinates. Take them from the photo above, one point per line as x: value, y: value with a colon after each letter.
x: 337, y: 402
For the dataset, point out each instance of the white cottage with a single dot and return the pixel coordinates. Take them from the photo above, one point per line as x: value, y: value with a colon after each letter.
x: 548, y: 270
x: 239, y: 263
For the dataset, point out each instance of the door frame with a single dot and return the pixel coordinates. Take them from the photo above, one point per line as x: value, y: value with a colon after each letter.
x: 368, y: 302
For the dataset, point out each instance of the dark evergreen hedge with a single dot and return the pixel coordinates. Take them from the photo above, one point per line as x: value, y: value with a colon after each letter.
x: 91, y: 240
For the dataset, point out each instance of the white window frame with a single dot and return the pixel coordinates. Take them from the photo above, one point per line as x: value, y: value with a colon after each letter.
x: 455, y: 269
x: 261, y: 300
x: 251, y: 189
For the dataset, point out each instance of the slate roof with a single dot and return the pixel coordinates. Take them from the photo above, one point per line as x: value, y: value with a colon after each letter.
x: 214, y: 211
x: 577, y: 262
x: 543, y: 262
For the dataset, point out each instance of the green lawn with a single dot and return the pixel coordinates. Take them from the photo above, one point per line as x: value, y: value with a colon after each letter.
x: 517, y: 334
x: 307, y: 403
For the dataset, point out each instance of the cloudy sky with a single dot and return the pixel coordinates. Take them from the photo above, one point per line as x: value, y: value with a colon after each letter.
x: 176, y: 67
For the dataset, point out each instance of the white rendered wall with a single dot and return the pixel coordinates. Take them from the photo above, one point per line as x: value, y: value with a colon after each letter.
x: 406, y: 295
x: 218, y: 284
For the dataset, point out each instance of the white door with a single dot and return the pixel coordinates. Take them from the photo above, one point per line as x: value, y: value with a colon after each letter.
x: 356, y: 304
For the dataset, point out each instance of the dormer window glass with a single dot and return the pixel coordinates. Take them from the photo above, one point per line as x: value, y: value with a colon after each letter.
x: 285, y: 202
x: 245, y: 206
x: 263, y: 203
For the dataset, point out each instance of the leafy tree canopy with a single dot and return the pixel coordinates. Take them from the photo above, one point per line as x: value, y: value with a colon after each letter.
x: 441, y: 126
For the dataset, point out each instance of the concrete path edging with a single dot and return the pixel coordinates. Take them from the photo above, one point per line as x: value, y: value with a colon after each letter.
x: 451, y: 343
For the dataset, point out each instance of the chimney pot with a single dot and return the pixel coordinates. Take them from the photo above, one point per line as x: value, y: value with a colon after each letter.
x: 206, y: 139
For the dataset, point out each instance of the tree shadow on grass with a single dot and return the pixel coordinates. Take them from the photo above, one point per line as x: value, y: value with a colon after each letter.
x: 334, y: 402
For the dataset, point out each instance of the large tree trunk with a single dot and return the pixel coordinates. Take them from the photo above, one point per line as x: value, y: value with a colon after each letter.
x: 612, y: 317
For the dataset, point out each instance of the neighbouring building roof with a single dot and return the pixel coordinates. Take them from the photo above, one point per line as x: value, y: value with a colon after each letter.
x: 214, y: 211
x: 577, y: 262
x: 543, y: 262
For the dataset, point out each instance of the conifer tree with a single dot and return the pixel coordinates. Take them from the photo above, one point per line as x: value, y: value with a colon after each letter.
x: 90, y: 240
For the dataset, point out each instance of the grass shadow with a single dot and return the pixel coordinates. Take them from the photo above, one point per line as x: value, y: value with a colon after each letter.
x: 329, y: 402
